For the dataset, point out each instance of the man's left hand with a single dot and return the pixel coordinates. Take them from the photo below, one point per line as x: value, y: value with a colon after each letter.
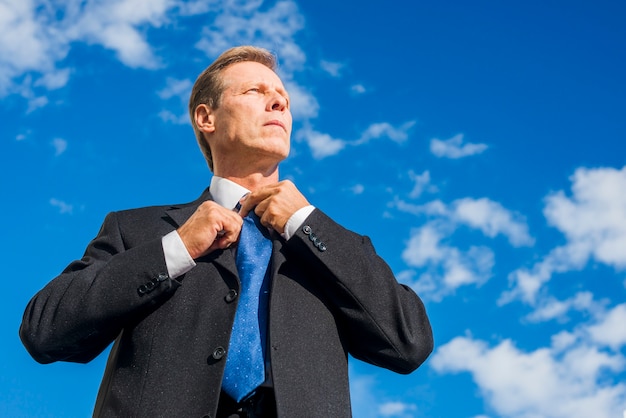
x: 274, y: 204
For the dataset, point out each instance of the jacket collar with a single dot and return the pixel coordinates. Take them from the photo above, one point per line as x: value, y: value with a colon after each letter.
x: 180, y: 213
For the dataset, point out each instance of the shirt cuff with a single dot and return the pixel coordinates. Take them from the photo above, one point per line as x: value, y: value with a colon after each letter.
x: 297, y: 219
x: 177, y: 258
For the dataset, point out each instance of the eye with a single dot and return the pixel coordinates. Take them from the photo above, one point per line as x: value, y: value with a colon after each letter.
x: 253, y: 90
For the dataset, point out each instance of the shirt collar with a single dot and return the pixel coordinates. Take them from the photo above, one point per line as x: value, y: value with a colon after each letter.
x: 225, y: 192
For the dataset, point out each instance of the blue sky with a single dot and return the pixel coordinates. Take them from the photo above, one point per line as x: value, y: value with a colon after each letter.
x: 479, y: 144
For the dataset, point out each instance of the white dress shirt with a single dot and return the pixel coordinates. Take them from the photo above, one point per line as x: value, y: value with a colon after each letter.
x: 227, y: 194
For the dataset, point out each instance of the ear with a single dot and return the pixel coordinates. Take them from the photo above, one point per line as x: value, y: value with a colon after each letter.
x: 205, y: 118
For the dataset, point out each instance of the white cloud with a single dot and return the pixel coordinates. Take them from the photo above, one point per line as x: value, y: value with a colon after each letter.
x: 446, y: 267
x: 273, y: 29
x: 28, y: 42
x: 547, y: 382
x: 358, y: 189
x: 397, y: 409
x: 384, y: 129
x: 483, y: 214
x: 593, y: 221
x: 169, y: 116
x: 454, y: 147
x: 63, y: 207
x: 611, y: 330
x: 367, y: 402
x: 36, y: 36
x: 550, y: 308
x: 594, y: 218
x: 35, y: 103
x: 332, y: 68
x: 179, y: 90
x: 174, y: 87
x: 322, y: 145
x: 492, y: 219
x: 197, y: 7
x: 421, y: 184
x: 358, y: 89
x: 54, y: 79
x: 116, y: 25
x: 303, y: 104
x: 60, y: 145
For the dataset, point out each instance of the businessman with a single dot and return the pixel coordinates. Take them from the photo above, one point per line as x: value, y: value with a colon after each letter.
x: 243, y: 303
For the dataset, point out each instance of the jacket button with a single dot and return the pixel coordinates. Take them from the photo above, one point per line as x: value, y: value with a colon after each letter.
x: 322, y: 247
x: 231, y: 295
x: 218, y: 353
x: 306, y: 229
x: 162, y: 277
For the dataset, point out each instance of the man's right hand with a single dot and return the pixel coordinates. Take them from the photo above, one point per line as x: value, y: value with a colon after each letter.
x: 211, y: 227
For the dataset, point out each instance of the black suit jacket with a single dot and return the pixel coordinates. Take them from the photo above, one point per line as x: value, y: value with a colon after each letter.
x: 330, y: 295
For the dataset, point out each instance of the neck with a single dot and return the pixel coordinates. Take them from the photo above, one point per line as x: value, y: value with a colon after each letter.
x: 251, y: 180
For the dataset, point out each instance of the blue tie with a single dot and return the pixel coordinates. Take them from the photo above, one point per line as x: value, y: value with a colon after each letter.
x: 245, y: 363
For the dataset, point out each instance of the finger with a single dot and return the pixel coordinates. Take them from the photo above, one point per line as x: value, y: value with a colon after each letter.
x: 230, y: 234
x: 249, y: 202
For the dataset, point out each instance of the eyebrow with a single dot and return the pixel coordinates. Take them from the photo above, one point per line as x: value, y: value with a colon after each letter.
x: 281, y: 90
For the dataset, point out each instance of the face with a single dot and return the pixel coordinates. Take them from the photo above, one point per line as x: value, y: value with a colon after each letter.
x: 253, y: 122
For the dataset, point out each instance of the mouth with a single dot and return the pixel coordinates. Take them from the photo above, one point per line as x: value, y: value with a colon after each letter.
x: 276, y: 122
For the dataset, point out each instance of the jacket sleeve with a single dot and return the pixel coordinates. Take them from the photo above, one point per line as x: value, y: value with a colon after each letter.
x: 79, y: 313
x: 382, y: 321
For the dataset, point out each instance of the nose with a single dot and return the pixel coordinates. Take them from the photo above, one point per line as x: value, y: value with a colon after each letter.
x: 277, y: 102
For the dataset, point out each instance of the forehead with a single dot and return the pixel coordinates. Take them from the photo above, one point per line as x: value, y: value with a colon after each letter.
x: 249, y: 72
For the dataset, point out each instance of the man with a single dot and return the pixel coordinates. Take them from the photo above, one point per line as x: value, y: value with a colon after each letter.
x: 166, y: 283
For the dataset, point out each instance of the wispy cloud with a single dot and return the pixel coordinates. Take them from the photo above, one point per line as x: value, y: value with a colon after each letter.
x: 549, y: 308
x: 386, y: 130
x: 60, y: 145
x: 593, y: 221
x: 176, y: 88
x: 332, y: 68
x: 273, y: 29
x: 397, y: 409
x: 455, y: 148
x: 422, y: 182
x: 321, y: 144
x: 358, y: 89
x: 171, y: 117
x: 357, y: 189
x: 324, y: 145
x: 483, y: 214
x: 304, y: 105
x: 63, y: 207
